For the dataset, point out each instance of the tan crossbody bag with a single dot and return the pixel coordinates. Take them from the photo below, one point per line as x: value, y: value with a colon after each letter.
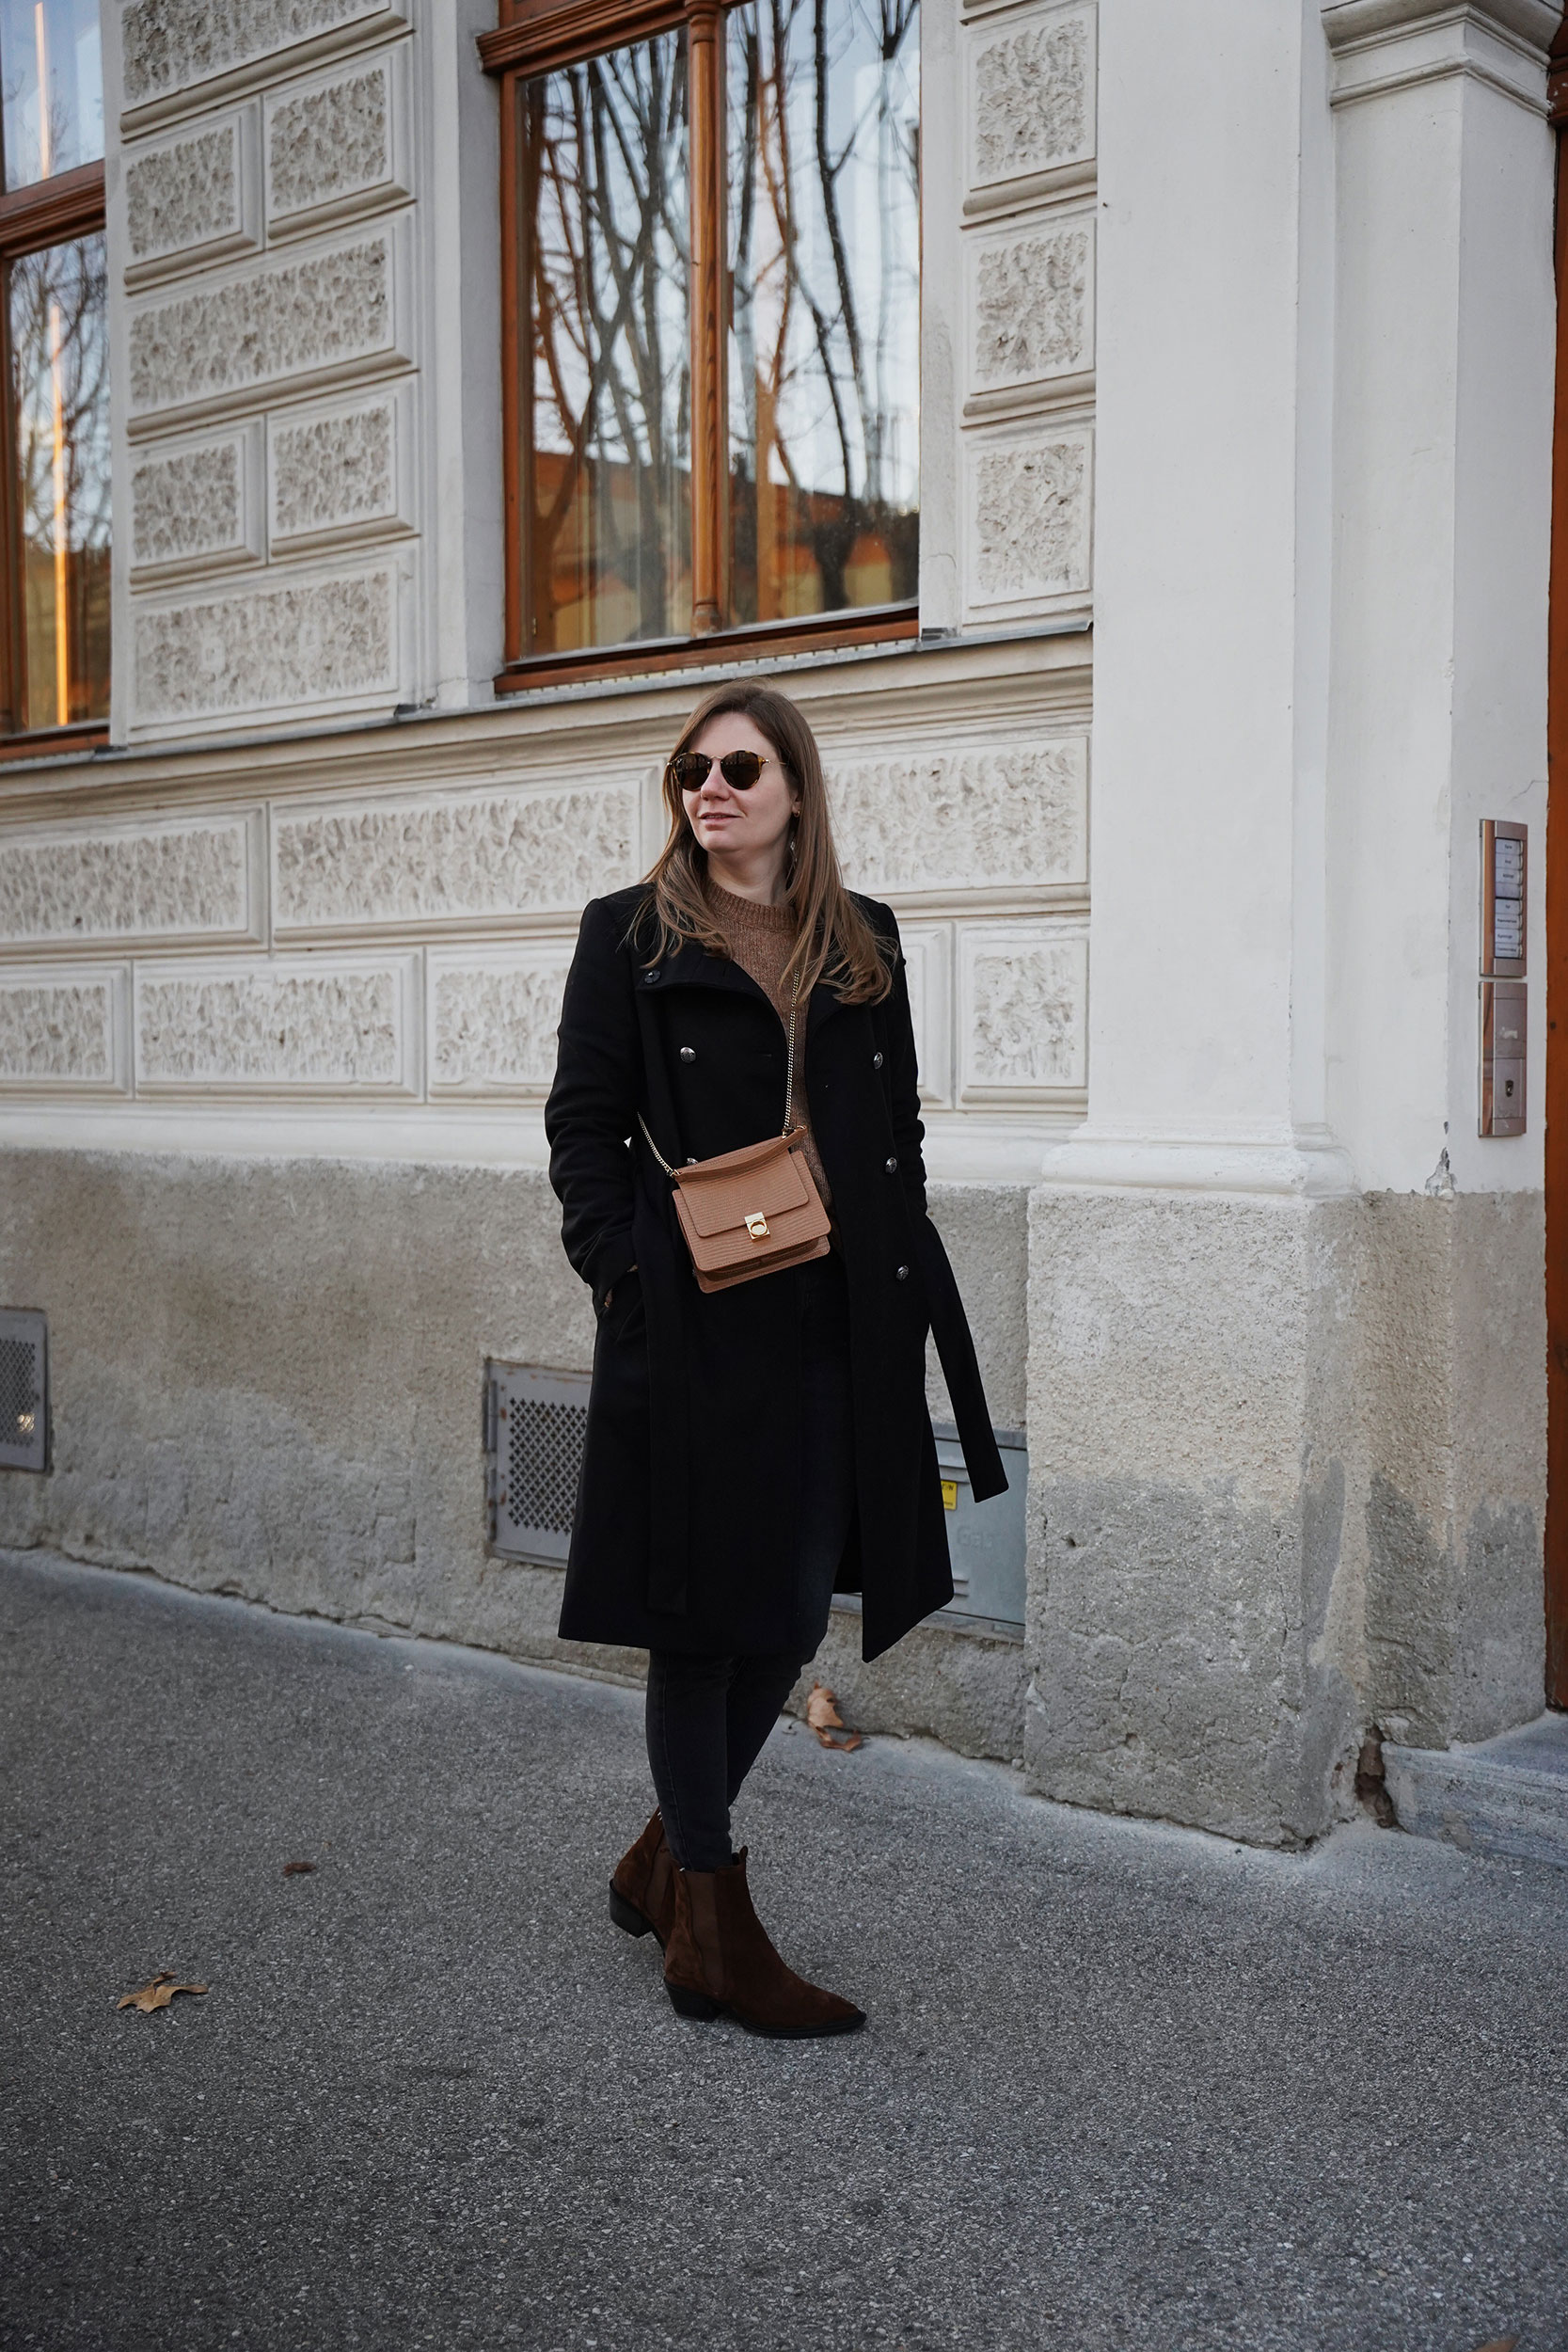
x: 754, y: 1210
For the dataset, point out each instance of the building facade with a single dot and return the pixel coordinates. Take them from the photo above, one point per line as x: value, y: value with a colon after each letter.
x: 1174, y: 617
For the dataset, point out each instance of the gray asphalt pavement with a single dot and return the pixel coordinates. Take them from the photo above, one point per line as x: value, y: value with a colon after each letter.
x: 1122, y: 2086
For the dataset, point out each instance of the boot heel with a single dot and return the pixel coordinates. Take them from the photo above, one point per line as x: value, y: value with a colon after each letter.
x: 688, y: 2004
x: 626, y: 1916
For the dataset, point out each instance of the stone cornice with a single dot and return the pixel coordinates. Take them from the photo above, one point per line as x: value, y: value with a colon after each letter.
x: 964, y: 686
x: 1384, y: 45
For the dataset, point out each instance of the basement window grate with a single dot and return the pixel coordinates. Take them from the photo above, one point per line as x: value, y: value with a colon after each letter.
x: 535, y: 1427
x: 24, y: 1390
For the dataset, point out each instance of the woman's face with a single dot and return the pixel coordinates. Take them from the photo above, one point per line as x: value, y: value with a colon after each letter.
x: 743, y: 826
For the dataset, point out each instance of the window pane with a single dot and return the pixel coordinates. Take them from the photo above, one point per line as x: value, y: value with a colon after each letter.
x: 50, y: 45
x: 824, y: 353
x: 606, y: 450
x: 60, y: 369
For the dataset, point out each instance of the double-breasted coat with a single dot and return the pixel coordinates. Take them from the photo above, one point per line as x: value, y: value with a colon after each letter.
x: 684, y: 1533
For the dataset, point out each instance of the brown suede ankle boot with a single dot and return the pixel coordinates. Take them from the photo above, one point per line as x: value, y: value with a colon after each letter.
x: 642, y: 1891
x: 719, y: 1957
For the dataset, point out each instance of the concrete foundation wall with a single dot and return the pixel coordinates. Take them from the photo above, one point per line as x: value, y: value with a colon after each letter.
x: 266, y: 1380
x: 1285, y: 1482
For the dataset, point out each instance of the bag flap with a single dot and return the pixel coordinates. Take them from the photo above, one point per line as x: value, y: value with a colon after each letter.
x: 721, y: 1200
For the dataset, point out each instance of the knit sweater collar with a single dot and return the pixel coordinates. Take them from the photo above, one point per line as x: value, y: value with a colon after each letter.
x: 738, y: 913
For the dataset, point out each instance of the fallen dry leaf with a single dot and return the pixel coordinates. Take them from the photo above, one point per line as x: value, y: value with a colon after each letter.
x: 824, y: 1718
x: 158, y: 1993
x: 1500, y: 2344
x: 296, y: 1870
x: 822, y: 1710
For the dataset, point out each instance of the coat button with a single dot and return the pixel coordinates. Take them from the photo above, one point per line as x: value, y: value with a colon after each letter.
x: 689, y: 1053
x: 892, y: 1166
x: 876, y: 1061
x: 903, y: 1273
x: 649, y: 978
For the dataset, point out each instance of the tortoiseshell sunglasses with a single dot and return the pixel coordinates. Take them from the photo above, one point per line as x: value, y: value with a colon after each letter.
x: 689, y: 770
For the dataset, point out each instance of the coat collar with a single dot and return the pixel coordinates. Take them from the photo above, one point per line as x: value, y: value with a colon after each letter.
x: 693, y: 967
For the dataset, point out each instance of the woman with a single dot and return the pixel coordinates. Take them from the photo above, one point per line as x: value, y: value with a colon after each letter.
x: 754, y: 1449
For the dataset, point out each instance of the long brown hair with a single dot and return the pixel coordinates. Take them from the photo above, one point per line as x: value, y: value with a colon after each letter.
x: 832, y: 939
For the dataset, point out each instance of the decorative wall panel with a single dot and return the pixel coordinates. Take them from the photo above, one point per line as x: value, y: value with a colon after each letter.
x: 1028, y: 520
x: 192, y: 199
x: 299, y: 1025
x: 928, y: 969
x: 173, y: 46
x: 295, y: 643
x: 990, y: 818
x: 489, y: 856
x: 304, y: 318
x: 1031, y: 101
x: 195, y: 506
x: 141, y: 880
x: 1022, y: 991
x: 342, y: 473
x: 338, y: 145
x: 64, y: 1029
x: 1031, y: 305
x: 492, y: 1019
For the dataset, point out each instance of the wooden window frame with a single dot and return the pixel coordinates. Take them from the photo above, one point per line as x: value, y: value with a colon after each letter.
x: 534, y: 37
x: 68, y: 205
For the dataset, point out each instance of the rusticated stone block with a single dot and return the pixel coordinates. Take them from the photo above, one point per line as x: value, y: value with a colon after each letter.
x: 190, y: 196
x: 1033, y: 98
x: 928, y: 974
x: 197, y: 506
x: 310, y: 315
x: 1031, y: 527
x: 1032, y: 306
x: 990, y: 818
x: 333, y: 142
x: 335, y: 475
x: 493, y: 1022
x: 1024, y: 1000
x: 61, y: 1029
x: 492, y: 854
x: 275, y: 1025
x: 297, y: 642
x: 170, y: 45
x: 150, y: 882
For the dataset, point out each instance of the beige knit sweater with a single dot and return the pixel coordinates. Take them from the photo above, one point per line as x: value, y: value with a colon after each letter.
x: 760, y: 938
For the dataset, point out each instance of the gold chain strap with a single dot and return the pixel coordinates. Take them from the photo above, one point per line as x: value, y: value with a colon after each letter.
x: 789, y: 1076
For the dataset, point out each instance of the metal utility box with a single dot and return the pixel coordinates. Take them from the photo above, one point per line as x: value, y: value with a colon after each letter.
x: 535, y: 1425
x: 985, y: 1540
x: 24, y: 1390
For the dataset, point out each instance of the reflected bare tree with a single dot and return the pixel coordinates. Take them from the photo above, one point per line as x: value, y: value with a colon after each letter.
x: 611, y: 252
x: 823, y: 180
x: 846, y: 359
x: 60, y: 403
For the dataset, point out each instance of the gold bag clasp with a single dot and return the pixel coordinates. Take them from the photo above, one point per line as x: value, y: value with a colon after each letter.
x: 756, y: 1225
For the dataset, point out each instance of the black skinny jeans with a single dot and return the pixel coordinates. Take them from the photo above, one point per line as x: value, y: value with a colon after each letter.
x: 708, y: 1717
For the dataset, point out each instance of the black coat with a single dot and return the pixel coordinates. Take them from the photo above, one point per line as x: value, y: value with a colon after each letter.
x: 685, y: 1532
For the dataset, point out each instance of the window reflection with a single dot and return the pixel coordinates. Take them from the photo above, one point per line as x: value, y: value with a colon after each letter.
x: 50, y: 47
x: 60, y: 406
x: 608, y: 439
x: 824, y: 360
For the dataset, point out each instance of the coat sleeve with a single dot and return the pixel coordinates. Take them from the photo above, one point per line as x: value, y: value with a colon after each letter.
x: 592, y: 1105
x: 949, y: 1323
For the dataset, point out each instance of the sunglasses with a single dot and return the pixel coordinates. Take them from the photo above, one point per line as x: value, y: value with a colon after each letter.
x: 689, y: 770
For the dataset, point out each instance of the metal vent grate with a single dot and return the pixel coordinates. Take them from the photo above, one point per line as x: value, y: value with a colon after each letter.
x: 24, y: 1390
x: 535, y: 1425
